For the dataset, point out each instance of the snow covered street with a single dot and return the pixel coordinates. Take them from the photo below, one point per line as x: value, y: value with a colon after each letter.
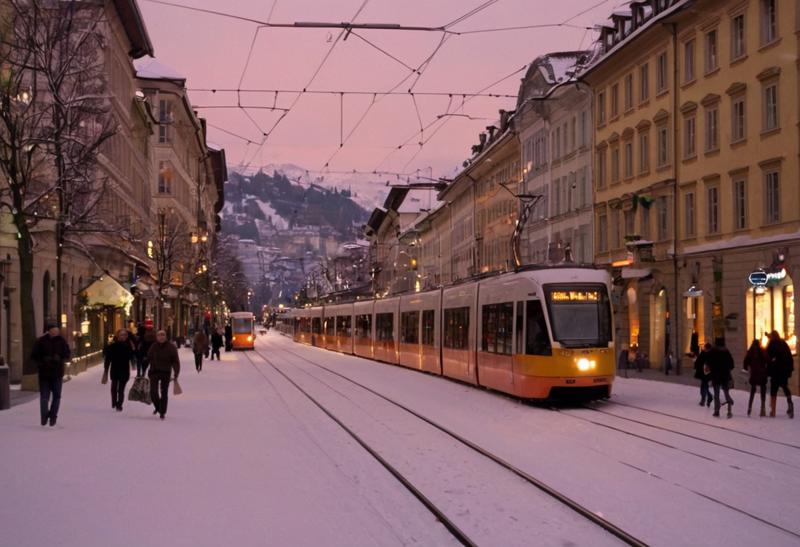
x: 245, y: 457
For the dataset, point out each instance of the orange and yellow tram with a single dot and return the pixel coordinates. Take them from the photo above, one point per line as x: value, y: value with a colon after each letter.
x: 243, y: 327
x: 534, y: 334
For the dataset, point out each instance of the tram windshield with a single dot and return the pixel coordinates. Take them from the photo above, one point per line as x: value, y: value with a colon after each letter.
x: 242, y: 325
x: 580, y: 315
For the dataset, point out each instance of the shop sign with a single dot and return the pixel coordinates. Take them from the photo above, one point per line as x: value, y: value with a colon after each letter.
x: 693, y: 292
x: 758, y: 278
x: 761, y: 278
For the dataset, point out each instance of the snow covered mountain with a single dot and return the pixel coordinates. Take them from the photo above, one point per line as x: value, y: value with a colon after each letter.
x: 368, y: 190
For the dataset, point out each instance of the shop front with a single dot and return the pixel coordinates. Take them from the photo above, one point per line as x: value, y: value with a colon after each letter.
x: 770, y: 306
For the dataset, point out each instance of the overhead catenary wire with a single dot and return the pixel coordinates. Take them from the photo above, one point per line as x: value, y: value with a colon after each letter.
x: 424, y: 134
x: 347, y: 92
x: 310, y: 81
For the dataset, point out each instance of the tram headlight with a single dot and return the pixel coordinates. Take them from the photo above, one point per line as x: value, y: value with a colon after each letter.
x: 585, y: 364
x: 249, y: 338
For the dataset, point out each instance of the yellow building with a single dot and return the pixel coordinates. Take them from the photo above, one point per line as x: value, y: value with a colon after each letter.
x: 696, y: 154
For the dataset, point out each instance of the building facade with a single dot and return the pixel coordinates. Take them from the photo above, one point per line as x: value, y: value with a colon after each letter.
x: 553, y: 120
x: 124, y: 164
x: 186, y: 189
x: 702, y: 234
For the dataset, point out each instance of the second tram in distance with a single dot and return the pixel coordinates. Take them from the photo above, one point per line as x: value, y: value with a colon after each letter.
x: 534, y: 334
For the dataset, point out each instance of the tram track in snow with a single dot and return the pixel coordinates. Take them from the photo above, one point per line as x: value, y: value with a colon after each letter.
x: 670, y: 431
x: 451, y: 527
x: 699, y: 422
x: 657, y: 476
x: 582, y: 511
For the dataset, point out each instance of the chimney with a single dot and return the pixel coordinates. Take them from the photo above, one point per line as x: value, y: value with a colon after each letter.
x: 491, y: 129
x: 482, y: 139
x: 503, y: 120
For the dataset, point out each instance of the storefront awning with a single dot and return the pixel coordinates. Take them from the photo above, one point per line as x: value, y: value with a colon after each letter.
x: 106, y: 291
x: 635, y: 273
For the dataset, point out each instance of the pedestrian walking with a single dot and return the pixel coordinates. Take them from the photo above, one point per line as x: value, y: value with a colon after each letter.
x: 779, y: 370
x: 668, y: 359
x: 133, y: 341
x: 200, y: 348
x: 755, y: 362
x: 164, y: 361
x: 216, y: 343
x: 117, y: 359
x: 622, y: 361
x: 720, y: 365
x: 50, y: 352
x: 228, y: 337
x: 701, y: 373
x: 146, y: 339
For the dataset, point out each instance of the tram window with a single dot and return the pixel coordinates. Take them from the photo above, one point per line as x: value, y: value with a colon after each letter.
x: 497, y: 326
x: 316, y: 325
x: 580, y: 315
x: 330, y: 326
x: 364, y: 326
x: 427, y: 327
x: 536, y: 337
x: 456, y: 328
x: 343, y: 325
x: 384, y: 327
x: 518, y: 327
x: 409, y: 327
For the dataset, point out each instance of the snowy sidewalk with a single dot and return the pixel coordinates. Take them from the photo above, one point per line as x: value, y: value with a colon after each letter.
x: 234, y: 463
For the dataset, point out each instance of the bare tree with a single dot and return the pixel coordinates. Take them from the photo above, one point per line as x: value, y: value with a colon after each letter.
x: 172, y: 252
x: 55, y: 117
x: 228, y: 272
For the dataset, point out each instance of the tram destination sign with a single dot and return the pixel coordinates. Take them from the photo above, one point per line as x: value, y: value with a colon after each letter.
x: 575, y: 296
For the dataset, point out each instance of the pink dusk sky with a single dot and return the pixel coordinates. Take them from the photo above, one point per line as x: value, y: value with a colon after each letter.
x: 210, y: 51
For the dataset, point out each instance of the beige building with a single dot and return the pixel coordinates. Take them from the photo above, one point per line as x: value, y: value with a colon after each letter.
x: 187, y: 194
x: 124, y: 161
x: 701, y: 97
x: 553, y: 120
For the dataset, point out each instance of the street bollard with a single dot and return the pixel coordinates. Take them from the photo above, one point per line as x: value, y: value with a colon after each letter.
x: 5, y: 386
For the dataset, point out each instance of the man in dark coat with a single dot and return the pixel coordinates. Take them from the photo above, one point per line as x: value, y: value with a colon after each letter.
x: 163, y: 357
x: 50, y: 352
x: 779, y: 369
x: 720, y: 365
x: 117, y: 358
x: 146, y: 339
x: 700, y: 373
x: 228, y: 337
x: 216, y: 343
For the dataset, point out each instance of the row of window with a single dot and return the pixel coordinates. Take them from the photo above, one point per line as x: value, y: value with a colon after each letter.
x: 622, y: 223
x: 622, y: 157
x: 768, y: 32
x: 567, y: 137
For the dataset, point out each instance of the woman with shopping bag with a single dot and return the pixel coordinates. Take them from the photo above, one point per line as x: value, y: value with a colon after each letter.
x: 117, y: 360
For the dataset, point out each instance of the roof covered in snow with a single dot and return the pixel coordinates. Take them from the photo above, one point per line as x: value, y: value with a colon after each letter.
x: 151, y: 69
